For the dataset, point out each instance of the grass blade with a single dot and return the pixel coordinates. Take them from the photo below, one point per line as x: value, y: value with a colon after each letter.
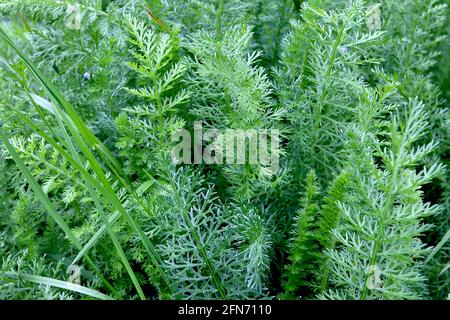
x: 42, y: 197
x: 58, y: 284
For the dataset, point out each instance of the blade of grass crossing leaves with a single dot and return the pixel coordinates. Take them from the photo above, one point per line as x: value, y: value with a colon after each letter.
x: 445, y: 269
x: 58, y: 284
x: 90, y: 179
x: 46, y: 202
x: 99, y: 208
x: 76, y: 159
x: 77, y: 128
x: 438, y: 246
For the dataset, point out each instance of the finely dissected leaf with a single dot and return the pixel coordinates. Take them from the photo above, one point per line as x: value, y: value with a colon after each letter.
x: 438, y: 247
x: 79, y: 130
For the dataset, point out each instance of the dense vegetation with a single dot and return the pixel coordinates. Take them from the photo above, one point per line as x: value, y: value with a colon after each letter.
x: 93, y: 205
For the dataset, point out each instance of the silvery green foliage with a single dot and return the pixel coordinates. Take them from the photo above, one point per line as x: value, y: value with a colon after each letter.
x: 351, y: 212
x: 349, y: 248
x: 231, y: 91
x: 411, y: 52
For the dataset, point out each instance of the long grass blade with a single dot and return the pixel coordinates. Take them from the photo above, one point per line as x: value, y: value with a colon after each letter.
x: 438, y: 246
x: 58, y: 284
x: 445, y: 269
x: 42, y: 197
x: 67, y: 116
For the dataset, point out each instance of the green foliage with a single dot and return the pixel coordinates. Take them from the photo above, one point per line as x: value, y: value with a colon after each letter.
x: 304, y: 248
x: 320, y: 80
x: 208, y: 250
x: 381, y: 221
x: 357, y: 207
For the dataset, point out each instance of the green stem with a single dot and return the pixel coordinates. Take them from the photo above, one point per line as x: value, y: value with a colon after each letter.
x: 199, y: 244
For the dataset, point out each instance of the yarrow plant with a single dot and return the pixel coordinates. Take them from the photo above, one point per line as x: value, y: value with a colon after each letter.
x: 268, y: 149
